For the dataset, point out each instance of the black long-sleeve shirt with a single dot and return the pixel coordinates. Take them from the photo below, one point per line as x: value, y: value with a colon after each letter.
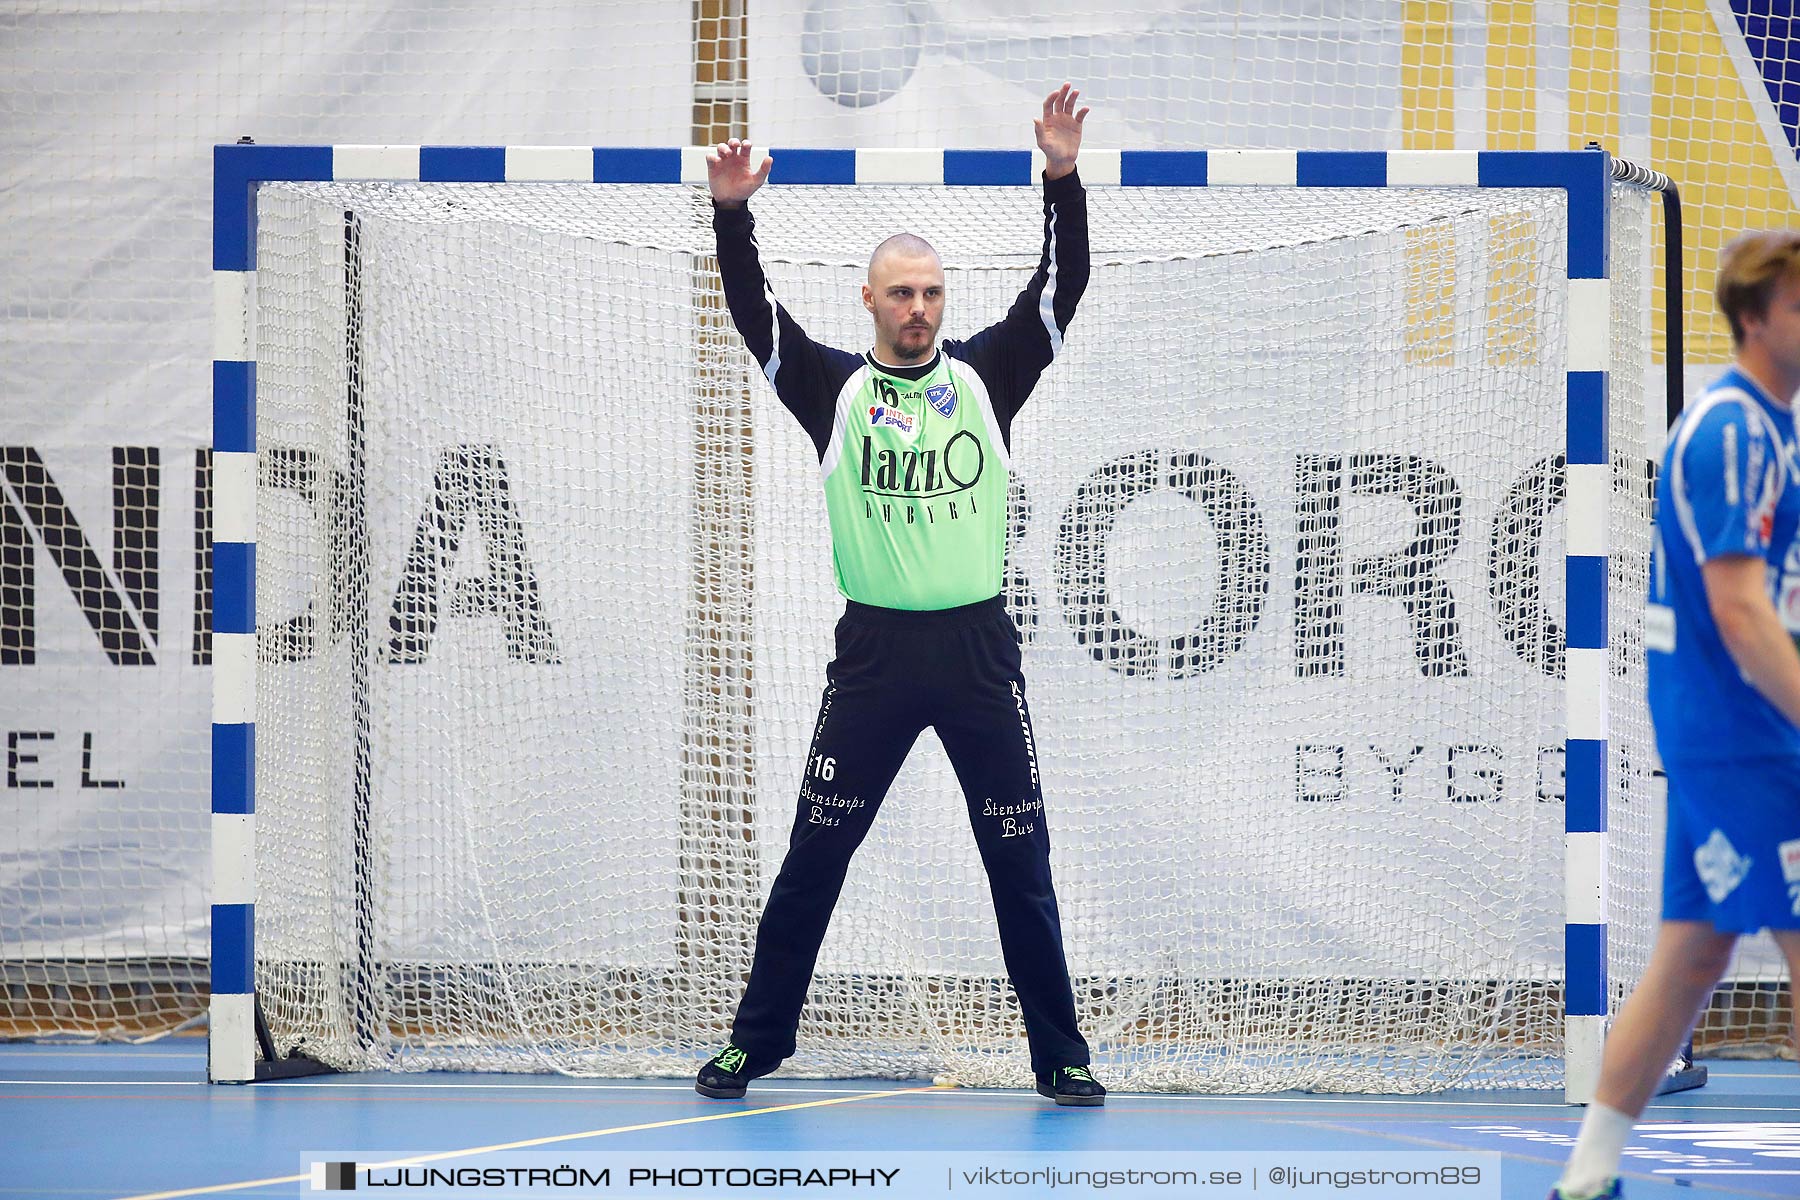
x: 1008, y: 355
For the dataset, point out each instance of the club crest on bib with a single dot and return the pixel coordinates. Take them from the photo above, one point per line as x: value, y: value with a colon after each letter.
x: 942, y: 397
x: 881, y: 416
x: 1720, y: 867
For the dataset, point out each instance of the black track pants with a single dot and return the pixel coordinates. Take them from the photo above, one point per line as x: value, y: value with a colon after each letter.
x: 957, y: 671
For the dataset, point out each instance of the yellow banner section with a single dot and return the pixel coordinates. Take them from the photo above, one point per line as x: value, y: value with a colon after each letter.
x: 1428, y: 122
x: 1428, y: 77
x: 1706, y: 136
x: 1711, y: 124
x: 1512, y: 84
x: 1593, y: 73
x: 1431, y: 296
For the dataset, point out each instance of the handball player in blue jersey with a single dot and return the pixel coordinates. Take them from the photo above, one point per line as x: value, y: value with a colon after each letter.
x: 1724, y: 692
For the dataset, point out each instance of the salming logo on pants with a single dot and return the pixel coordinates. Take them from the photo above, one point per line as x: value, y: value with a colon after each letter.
x: 897, y: 673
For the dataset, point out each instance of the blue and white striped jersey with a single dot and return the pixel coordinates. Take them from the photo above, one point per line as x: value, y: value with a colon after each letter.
x: 1730, y: 484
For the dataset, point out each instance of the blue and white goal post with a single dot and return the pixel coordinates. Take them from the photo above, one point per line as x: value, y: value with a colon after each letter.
x: 1585, y: 176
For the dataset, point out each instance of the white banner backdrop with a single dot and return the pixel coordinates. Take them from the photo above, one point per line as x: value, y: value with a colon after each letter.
x: 526, y: 750
x: 1218, y: 809
x: 108, y: 133
x: 1354, y: 752
x: 106, y: 716
x: 1280, y: 74
x: 928, y: 72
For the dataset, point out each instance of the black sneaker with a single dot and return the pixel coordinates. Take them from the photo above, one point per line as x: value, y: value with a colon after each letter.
x: 1613, y: 1191
x: 728, y: 1073
x: 1072, y: 1086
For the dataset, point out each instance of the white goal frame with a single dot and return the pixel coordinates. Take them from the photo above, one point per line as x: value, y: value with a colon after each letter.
x: 1585, y: 176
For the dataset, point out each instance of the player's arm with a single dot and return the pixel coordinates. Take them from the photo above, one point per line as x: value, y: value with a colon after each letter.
x: 1011, y: 355
x: 805, y: 375
x: 1737, y: 592
x: 1729, y: 478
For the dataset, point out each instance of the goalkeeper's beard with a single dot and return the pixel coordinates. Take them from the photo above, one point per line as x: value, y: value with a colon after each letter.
x: 913, y: 343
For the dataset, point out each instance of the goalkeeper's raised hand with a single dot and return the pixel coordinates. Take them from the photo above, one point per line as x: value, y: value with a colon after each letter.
x: 730, y: 176
x: 1059, y: 131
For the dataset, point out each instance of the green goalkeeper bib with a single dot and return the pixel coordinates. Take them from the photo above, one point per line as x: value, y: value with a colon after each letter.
x: 915, y: 483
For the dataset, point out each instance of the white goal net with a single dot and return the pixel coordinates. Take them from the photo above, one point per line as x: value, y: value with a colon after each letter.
x: 544, y: 594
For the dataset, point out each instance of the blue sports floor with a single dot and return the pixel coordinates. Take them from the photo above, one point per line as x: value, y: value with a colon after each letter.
x: 124, y: 1121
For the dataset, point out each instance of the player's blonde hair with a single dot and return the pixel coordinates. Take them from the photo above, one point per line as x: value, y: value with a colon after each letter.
x: 1749, y: 269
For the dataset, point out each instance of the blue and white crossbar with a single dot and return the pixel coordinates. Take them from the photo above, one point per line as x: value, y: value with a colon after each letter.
x: 1585, y: 175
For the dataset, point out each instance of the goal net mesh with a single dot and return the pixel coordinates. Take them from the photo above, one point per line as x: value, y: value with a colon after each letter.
x: 544, y: 600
